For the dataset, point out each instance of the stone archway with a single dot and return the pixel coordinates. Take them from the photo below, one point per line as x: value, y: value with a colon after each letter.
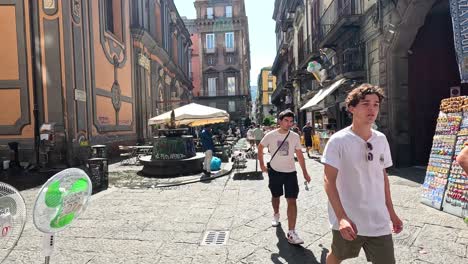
x: 407, y: 18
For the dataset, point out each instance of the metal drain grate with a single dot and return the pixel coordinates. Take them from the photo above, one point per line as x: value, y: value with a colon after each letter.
x: 215, y: 238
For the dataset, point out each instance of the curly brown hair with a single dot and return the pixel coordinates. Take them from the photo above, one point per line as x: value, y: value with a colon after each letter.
x: 360, y: 92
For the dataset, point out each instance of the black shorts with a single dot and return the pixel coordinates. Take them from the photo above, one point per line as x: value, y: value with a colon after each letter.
x: 276, y: 181
x: 308, y: 142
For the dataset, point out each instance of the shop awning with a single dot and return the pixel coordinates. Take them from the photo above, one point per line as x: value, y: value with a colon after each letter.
x: 324, y: 92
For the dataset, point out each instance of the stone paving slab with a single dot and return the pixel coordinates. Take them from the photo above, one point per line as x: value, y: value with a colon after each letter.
x: 133, y: 222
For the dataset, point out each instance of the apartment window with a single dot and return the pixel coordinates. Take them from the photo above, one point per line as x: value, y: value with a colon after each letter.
x: 230, y: 59
x: 210, y: 43
x: 269, y: 99
x: 231, y: 84
x: 209, y: 13
x: 212, y: 86
x: 270, y: 84
x: 228, y: 11
x: 211, y: 60
x: 229, y: 40
x: 190, y: 73
x: 112, y: 9
x: 232, y: 106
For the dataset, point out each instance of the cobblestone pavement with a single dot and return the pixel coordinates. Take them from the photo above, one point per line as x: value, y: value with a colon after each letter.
x: 138, y: 221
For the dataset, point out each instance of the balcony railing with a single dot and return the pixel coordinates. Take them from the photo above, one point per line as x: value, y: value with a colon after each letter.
x: 350, y: 60
x: 337, y: 11
x: 209, y: 51
x: 229, y: 50
x: 217, y: 93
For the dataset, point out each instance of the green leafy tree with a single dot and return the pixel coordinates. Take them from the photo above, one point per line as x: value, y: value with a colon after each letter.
x: 268, y: 121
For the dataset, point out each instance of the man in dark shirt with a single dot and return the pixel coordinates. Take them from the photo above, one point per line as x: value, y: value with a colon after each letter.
x: 206, y: 139
x: 307, y: 132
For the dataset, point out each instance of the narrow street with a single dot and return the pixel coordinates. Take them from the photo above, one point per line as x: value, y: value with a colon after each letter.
x: 137, y: 222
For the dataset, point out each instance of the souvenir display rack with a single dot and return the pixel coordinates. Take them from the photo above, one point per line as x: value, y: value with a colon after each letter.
x: 456, y: 195
x: 442, y: 152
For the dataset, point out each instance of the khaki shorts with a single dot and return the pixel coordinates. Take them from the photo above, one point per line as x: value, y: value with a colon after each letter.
x: 379, y: 250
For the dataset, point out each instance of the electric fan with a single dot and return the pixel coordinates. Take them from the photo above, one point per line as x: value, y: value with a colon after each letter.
x: 12, y: 218
x: 59, y: 202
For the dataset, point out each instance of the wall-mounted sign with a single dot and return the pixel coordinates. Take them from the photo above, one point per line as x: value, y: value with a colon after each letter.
x: 459, y: 11
x: 80, y: 95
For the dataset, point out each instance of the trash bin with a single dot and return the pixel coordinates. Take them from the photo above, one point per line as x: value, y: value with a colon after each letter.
x: 98, y: 151
x: 14, y: 158
x: 98, y: 171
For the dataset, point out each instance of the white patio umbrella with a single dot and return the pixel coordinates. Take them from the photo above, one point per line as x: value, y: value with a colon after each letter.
x: 192, y: 115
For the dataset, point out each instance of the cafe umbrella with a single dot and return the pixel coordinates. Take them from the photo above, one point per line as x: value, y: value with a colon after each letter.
x: 192, y: 115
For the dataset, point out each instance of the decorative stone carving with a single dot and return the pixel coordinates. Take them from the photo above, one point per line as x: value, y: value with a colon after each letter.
x: 144, y: 61
x: 76, y: 11
x: 49, y: 4
x: 116, y: 96
x: 168, y: 79
x: 49, y: 7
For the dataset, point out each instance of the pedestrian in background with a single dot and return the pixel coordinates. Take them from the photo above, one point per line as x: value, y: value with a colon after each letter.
x: 295, y: 129
x: 307, y: 132
x: 206, y: 139
x: 360, y: 205
x: 238, y: 132
x: 283, y: 143
x: 250, y: 136
x: 257, y: 134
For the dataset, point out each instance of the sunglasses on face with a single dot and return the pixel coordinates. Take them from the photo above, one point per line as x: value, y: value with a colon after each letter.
x: 369, y: 155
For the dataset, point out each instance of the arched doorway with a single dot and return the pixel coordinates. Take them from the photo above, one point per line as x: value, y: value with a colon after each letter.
x: 413, y: 43
x: 432, y: 70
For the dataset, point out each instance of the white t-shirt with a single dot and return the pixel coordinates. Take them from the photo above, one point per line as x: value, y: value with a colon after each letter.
x: 284, y: 158
x: 360, y: 182
x: 250, y: 134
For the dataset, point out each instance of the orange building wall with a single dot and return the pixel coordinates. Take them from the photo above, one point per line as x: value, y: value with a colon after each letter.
x: 10, y: 101
x: 158, y: 23
x: 196, y: 64
x: 265, y: 91
x: 8, y: 46
x: 104, y: 71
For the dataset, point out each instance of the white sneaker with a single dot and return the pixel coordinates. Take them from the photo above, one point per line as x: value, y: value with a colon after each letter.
x: 293, y: 238
x: 275, y: 222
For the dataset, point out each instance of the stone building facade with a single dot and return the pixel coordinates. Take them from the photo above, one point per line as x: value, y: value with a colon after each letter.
x: 222, y: 64
x: 266, y: 86
x: 404, y: 46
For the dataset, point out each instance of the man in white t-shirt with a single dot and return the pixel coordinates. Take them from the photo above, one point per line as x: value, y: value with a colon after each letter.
x: 282, y: 170
x: 250, y: 136
x: 360, y: 207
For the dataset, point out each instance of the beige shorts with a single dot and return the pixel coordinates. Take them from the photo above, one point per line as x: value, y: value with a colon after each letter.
x: 379, y: 250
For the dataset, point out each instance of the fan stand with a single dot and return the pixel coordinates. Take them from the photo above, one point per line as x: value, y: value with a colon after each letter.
x: 48, y: 242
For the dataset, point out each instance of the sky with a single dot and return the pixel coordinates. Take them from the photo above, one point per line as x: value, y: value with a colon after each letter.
x: 261, y: 31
